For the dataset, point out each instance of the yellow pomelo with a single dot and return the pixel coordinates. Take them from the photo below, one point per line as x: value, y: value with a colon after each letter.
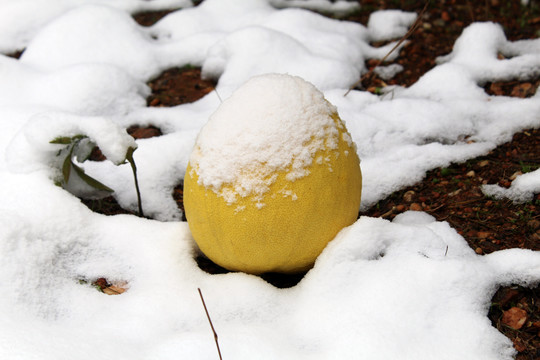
x: 267, y: 218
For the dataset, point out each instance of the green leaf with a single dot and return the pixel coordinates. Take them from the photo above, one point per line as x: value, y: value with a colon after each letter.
x: 90, y: 180
x: 62, y: 140
x: 66, y: 140
x: 66, y: 168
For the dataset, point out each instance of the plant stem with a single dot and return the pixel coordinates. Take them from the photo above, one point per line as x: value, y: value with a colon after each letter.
x: 129, y: 157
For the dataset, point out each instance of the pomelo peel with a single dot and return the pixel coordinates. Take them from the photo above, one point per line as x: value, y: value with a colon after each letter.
x: 276, y: 220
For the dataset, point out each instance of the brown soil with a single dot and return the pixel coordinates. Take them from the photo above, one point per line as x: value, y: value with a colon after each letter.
x: 449, y: 194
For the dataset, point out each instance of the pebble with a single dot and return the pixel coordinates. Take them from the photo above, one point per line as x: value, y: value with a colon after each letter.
x: 483, y: 163
x: 416, y: 207
x: 483, y: 234
x: 454, y: 193
x: 534, y: 224
x: 515, y: 175
x: 445, y: 16
x: 408, y: 196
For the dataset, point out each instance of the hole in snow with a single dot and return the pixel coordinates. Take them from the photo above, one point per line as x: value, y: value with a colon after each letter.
x: 178, y: 86
x: 149, y: 18
x: 138, y: 132
x: 16, y: 54
x: 109, y: 205
x: 103, y: 285
x: 105, y: 206
x: 281, y: 281
x: 515, y: 88
x: 178, y: 196
x: 515, y: 312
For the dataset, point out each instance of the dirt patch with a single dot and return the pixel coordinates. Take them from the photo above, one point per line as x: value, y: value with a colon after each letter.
x: 178, y: 86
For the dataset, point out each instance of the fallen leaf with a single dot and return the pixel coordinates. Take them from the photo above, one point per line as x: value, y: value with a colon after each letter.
x: 514, y: 318
x: 114, y: 290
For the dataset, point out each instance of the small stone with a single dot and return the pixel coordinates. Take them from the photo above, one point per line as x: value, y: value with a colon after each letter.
x: 439, y: 22
x: 470, y: 173
x: 514, y: 318
x: 479, y: 251
x: 483, y: 234
x: 416, y: 207
x: 483, y: 163
x: 445, y: 16
x: 515, y: 175
x: 454, y: 193
x: 400, y: 207
x: 409, y: 196
x: 534, y: 224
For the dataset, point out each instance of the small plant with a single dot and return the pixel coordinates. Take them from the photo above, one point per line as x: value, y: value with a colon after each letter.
x: 446, y: 172
x: 79, y: 148
x: 527, y: 167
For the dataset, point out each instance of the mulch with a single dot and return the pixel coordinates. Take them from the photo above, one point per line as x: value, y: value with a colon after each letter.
x: 450, y: 194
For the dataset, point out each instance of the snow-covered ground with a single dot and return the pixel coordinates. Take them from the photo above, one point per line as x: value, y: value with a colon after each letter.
x: 407, y: 289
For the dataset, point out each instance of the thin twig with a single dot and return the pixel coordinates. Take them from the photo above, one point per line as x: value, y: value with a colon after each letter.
x: 211, y: 325
x: 409, y: 33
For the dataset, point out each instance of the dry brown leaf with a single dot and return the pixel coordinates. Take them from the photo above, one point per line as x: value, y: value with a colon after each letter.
x: 514, y: 318
x: 114, y: 290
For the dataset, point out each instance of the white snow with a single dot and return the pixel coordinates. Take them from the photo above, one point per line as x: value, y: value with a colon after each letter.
x: 273, y: 123
x: 407, y: 289
x: 521, y: 190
